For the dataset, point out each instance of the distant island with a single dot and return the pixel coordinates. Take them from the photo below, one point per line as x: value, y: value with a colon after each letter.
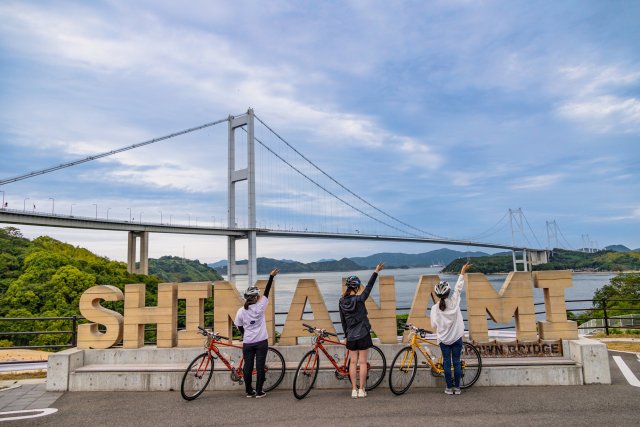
x: 614, y: 258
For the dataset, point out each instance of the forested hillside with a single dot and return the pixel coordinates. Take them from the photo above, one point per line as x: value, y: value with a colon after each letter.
x: 45, y: 278
x: 561, y: 259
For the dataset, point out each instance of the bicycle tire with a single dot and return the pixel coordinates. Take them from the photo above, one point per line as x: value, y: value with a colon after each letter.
x: 403, y: 370
x: 274, y: 369
x: 197, y: 376
x: 306, y: 374
x: 471, y: 365
x: 377, y: 367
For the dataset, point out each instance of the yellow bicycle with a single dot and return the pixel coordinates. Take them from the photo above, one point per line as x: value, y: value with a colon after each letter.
x: 404, y: 366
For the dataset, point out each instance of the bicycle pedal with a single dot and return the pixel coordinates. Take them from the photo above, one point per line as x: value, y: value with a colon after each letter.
x: 424, y: 362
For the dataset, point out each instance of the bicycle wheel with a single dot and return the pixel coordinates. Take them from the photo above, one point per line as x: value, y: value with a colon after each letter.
x: 403, y: 370
x: 306, y: 374
x: 471, y: 365
x: 197, y: 376
x: 377, y: 367
x: 274, y: 370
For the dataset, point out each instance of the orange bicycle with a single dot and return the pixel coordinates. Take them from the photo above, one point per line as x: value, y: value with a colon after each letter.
x: 198, y: 375
x: 309, y: 366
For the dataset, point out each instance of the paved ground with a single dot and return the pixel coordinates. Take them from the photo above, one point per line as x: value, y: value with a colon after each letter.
x: 615, y: 405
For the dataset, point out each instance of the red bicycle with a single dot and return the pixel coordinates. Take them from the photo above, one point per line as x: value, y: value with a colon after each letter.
x: 198, y: 375
x: 309, y: 366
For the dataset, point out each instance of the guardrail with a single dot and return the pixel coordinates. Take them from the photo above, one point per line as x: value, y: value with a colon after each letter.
x: 608, y: 321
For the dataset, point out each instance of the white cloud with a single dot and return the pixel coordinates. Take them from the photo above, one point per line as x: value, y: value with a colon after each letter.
x: 536, y: 182
x: 605, y: 113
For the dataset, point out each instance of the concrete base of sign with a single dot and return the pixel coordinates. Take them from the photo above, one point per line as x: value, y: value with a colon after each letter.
x: 152, y: 369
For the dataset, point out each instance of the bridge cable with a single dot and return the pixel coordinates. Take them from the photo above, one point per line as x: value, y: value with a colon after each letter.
x: 345, y: 188
x: 329, y: 191
x: 532, y: 232
x: 108, y: 153
x: 487, y: 231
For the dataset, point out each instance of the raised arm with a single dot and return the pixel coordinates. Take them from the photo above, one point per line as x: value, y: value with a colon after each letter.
x: 367, y: 290
x: 460, y: 283
x: 273, y: 274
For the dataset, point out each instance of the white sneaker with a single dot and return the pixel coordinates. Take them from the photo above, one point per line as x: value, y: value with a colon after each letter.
x: 354, y: 394
x: 362, y: 393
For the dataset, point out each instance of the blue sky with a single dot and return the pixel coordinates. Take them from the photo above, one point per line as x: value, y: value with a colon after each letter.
x: 444, y: 114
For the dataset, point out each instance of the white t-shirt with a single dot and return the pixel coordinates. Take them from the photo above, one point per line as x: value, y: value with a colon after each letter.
x: 252, y: 320
x: 448, y: 324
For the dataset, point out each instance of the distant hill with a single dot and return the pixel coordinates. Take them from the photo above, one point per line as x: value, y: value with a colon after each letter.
x: 425, y: 259
x: 176, y: 269
x: 265, y: 265
x: 560, y: 260
x: 617, y: 248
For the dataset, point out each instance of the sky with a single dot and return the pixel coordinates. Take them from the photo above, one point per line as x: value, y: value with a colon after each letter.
x: 442, y: 114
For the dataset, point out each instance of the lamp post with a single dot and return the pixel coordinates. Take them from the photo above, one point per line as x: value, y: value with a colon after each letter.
x: 129, y: 214
x: 170, y: 216
x: 24, y: 205
x: 96, y: 205
x: 53, y: 204
x: 189, y: 220
x: 2, y: 207
x: 71, y: 211
x: 214, y: 221
x: 140, y: 217
x: 108, y: 209
x: 160, y: 217
x: 196, y: 221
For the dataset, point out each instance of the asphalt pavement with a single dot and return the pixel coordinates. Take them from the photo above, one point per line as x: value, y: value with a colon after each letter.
x: 612, y: 405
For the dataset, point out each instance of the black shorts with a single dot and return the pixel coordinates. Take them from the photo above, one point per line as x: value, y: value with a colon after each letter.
x: 361, y: 343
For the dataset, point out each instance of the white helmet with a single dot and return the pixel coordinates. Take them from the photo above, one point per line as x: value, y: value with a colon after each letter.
x: 251, y: 292
x: 442, y: 289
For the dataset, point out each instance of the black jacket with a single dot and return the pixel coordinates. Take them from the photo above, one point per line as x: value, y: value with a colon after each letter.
x: 353, y: 313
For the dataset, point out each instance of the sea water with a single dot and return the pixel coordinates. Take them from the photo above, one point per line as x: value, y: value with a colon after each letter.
x: 406, y: 281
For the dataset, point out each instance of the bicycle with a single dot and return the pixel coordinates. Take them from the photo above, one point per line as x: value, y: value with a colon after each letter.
x: 307, y: 371
x: 404, y: 366
x: 198, y: 375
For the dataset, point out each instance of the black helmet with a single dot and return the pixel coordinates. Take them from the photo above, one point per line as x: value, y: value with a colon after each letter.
x: 442, y: 289
x: 251, y: 292
x: 353, y: 282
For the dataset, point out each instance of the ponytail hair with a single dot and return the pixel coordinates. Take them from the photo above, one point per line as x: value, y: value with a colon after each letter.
x: 443, y: 304
x: 249, y: 302
x: 350, y: 291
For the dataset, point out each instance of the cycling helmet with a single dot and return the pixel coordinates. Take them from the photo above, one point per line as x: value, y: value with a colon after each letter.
x: 251, y: 292
x: 353, y: 282
x: 442, y: 289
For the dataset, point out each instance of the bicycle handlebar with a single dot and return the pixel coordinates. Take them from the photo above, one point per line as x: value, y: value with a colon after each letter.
x: 320, y: 331
x: 419, y: 331
x: 214, y: 335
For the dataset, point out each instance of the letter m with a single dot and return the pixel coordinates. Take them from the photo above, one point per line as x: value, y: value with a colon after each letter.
x: 514, y: 299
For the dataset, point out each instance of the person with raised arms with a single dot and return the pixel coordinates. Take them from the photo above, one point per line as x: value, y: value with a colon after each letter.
x: 250, y: 320
x: 357, y: 329
x: 447, y: 322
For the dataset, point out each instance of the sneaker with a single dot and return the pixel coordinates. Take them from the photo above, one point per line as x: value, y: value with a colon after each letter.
x: 260, y: 395
x: 252, y: 394
x: 456, y: 390
x: 362, y: 393
x: 448, y: 391
x: 354, y: 394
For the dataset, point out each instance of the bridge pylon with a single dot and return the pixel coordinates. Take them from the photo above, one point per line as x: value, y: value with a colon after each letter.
x: 132, y: 252
x: 235, y: 176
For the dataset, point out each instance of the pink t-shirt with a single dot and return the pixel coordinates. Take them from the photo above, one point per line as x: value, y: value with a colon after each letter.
x: 253, y: 322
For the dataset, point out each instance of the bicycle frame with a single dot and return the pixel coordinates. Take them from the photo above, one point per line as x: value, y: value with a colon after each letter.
x: 415, y: 343
x: 318, y: 344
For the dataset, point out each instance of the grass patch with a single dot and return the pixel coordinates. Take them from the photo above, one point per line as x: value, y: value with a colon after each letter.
x: 624, y: 346
x: 22, y: 375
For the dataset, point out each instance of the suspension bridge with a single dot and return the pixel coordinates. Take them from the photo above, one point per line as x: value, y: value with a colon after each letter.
x: 295, y: 198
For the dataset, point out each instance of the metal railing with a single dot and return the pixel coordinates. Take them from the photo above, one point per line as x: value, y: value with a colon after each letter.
x: 607, y: 321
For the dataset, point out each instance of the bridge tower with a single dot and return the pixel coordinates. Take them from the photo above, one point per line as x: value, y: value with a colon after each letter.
x: 236, y: 176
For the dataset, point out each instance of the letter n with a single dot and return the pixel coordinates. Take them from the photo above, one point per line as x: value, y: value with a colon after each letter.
x: 306, y: 291
x: 515, y: 299
x: 88, y: 334
x: 164, y: 315
x: 556, y: 326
